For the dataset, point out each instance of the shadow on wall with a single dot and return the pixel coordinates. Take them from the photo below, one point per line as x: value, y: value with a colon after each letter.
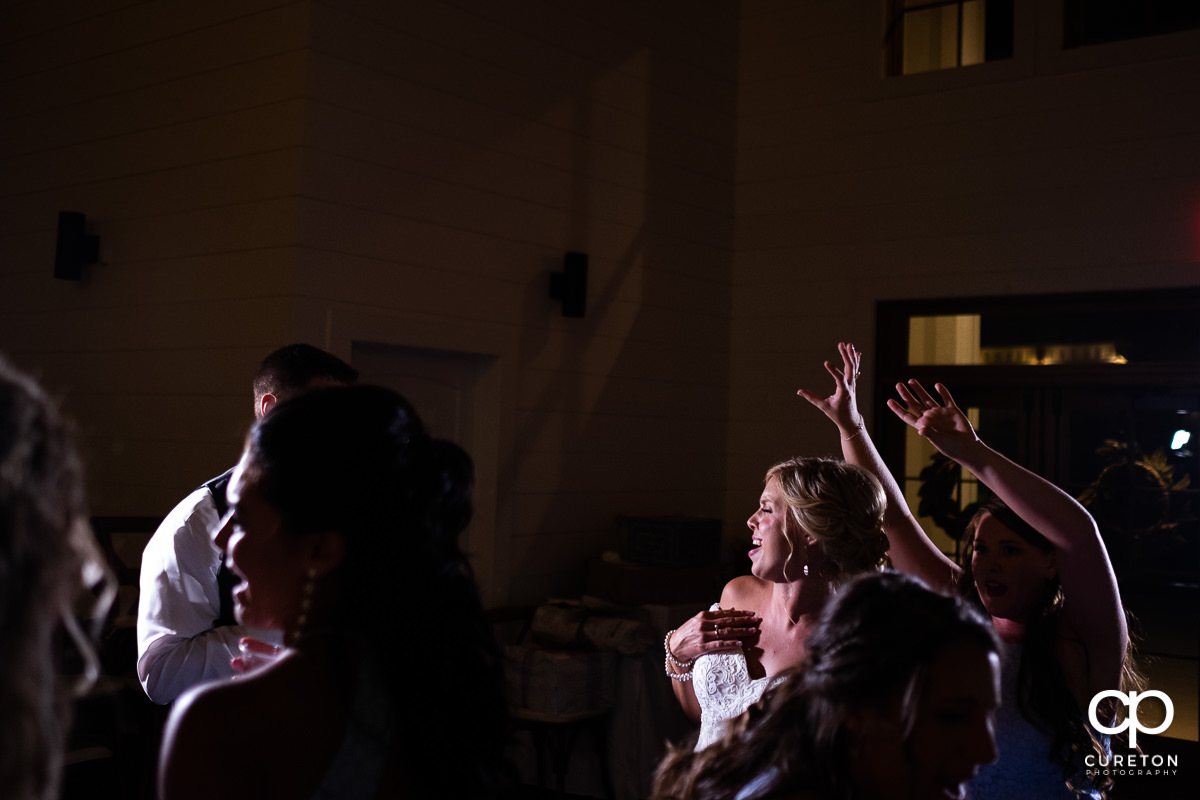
x: 624, y: 411
x: 446, y: 167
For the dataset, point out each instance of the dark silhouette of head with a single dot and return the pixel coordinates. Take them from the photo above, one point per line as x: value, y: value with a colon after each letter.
x: 357, y: 460
x: 294, y: 368
x: 46, y: 551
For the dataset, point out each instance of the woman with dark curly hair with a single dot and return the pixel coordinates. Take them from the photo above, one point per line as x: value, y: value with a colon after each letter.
x: 819, y: 522
x: 47, y: 557
x: 1030, y: 548
x: 894, y: 701
x: 343, y: 530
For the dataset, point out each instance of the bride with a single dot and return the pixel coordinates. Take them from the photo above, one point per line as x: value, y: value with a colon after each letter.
x: 818, y: 523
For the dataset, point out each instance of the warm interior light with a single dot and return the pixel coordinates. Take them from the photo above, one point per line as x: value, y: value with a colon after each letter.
x: 948, y: 339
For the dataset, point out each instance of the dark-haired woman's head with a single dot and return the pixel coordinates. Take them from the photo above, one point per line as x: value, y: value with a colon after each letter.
x: 894, y: 700
x: 818, y: 514
x: 1011, y: 572
x: 47, y: 556
x: 345, y: 520
x: 1010, y: 567
x: 342, y: 488
x: 912, y: 676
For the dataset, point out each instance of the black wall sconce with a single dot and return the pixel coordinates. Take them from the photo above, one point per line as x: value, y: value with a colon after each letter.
x: 75, y: 248
x: 570, y: 285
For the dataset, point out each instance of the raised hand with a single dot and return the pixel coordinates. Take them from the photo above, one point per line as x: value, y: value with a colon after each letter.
x: 945, y: 426
x: 842, y: 405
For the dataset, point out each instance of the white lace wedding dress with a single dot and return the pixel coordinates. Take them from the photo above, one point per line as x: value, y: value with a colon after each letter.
x: 724, y: 690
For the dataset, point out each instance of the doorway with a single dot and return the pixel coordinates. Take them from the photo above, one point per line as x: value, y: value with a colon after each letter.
x: 454, y: 396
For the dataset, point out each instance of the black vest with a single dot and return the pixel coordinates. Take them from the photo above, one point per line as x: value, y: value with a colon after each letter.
x: 226, y: 580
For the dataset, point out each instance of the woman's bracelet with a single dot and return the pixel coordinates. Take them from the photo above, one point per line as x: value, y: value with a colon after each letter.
x: 672, y: 674
x: 856, y: 434
x: 683, y: 665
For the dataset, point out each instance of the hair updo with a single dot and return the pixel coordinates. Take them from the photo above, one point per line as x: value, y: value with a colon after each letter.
x: 358, y: 460
x: 841, y: 506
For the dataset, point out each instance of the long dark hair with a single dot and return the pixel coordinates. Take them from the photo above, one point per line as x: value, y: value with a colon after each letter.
x: 1044, y: 697
x: 45, y: 546
x: 358, y: 460
x: 874, y: 644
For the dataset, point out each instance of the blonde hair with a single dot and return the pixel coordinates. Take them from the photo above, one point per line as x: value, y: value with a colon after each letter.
x: 48, y: 556
x: 838, y: 504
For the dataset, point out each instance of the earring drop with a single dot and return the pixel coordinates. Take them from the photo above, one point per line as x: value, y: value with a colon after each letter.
x: 306, y: 593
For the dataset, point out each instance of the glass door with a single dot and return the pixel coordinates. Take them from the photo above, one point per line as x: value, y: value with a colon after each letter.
x: 1100, y: 394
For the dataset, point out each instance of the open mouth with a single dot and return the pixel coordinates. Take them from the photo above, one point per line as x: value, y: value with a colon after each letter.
x: 757, y: 545
x: 995, y: 589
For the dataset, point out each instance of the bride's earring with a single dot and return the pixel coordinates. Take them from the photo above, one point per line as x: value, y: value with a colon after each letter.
x: 306, y: 594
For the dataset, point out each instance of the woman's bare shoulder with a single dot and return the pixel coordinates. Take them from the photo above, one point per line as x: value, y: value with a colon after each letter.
x: 264, y: 736
x: 210, y: 701
x: 207, y: 723
x: 744, y: 592
x: 264, y: 696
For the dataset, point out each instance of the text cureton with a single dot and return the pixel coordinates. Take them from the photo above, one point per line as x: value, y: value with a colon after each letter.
x: 1134, y: 760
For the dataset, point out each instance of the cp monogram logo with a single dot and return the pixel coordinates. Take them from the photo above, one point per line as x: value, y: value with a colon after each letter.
x: 1131, y: 721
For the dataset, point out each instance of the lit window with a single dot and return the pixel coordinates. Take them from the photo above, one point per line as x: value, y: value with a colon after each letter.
x: 927, y: 35
x: 959, y: 339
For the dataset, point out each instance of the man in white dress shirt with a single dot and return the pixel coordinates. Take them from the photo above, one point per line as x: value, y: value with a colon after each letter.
x: 186, y: 631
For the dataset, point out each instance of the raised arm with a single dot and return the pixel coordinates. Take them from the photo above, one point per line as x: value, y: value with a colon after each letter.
x: 1094, y: 610
x: 910, y: 549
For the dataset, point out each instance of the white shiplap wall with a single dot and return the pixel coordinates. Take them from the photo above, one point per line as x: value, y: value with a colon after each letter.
x: 176, y: 127
x: 455, y: 152
x: 406, y: 172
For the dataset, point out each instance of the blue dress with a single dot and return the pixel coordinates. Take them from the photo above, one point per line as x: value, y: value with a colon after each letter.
x: 1023, y: 768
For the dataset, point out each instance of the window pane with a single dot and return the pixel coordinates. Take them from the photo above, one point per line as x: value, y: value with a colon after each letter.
x: 951, y: 339
x: 926, y: 35
x: 1133, y: 462
x: 938, y: 490
x: 930, y: 39
x: 1098, y: 21
x: 1093, y: 331
x: 973, y: 32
